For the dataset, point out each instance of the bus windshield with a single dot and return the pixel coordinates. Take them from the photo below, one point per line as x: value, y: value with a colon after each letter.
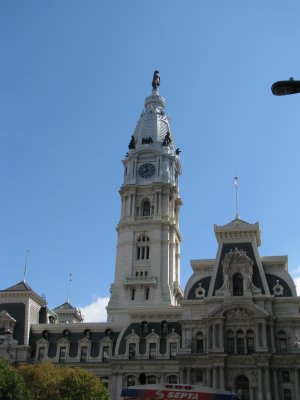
x: 176, y: 391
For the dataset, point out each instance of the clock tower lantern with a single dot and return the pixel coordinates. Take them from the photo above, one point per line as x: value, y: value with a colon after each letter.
x: 147, y: 271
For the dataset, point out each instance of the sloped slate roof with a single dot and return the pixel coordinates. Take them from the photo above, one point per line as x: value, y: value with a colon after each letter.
x: 18, y: 287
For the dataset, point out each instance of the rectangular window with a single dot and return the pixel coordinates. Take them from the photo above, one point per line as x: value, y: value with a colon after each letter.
x: 287, y: 394
x: 62, y: 354
x: 282, y: 345
x: 250, y: 345
x: 41, y: 355
x: 147, y: 253
x: 173, y: 350
x: 240, y: 346
x: 147, y: 291
x: 200, y: 346
x: 132, y: 351
x: 199, y: 375
x: 83, y: 354
x: 152, y: 351
x: 132, y: 294
x: 285, y: 376
x: 230, y: 345
x: 105, y: 353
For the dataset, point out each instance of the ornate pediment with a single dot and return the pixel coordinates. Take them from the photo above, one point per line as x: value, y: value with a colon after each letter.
x: 173, y: 335
x: 152, y: 335
x: 132, y: 336
x: 238, y: 313
x: 106, y: 341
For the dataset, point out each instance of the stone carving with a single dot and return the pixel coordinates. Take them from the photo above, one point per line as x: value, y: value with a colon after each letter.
x: 155, y: 80
x: 278, y: 289
x: 200, y: 292
x: 237, y: 313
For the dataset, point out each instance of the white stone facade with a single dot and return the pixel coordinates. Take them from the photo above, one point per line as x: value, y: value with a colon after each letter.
x: 235, y: 326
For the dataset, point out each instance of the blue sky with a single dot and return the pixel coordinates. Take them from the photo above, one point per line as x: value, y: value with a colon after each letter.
x: 73, y: 79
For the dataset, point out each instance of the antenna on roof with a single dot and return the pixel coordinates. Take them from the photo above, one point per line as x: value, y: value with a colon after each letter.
x: 237, y: 215
x: 25, y: 267
x: 68, y: 294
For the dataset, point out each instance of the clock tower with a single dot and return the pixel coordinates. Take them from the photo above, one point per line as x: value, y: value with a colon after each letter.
x: 147, y: 271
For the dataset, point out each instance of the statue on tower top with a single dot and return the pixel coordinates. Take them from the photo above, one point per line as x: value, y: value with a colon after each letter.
x: 156, y: 80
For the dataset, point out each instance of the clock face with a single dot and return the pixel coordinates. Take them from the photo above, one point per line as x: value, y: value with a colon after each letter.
x: 147, y: 170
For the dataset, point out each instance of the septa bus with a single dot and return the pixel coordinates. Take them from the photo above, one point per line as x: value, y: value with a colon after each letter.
x: 176, y: 391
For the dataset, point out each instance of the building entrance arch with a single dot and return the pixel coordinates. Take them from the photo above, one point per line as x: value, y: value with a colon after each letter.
x: 242, y: 387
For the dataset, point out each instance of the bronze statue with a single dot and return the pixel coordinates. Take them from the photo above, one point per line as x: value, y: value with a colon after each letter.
x: 156, y: 80
x: 131, y: 143
x: 167, y: 139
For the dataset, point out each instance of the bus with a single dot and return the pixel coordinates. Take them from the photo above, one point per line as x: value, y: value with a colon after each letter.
x: 176, y: 391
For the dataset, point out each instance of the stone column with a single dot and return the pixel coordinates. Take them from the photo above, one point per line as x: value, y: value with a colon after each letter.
x: 221, y: 340
x: 208, y: 376
x: 215, y: 377
x: 264, y: 339
x: 273, y: 348
x: 119, y: 386
x: 251, y: 393
x: 267, y: 383
x: 181, y: 376
x: 260, y: 386
x: 112, y: 385
x: 214, y: 337
x: 222, y: 378
x: 275, y: 383
x: 296, y: 379
x: 188, y: 376
x: 257, y: 341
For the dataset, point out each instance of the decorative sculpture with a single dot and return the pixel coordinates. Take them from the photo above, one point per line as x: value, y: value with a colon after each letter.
x: 177, y: 151
x: 147, y: 140
x: 156, y: 80
x: 167, y: 139
x: 131, y: 143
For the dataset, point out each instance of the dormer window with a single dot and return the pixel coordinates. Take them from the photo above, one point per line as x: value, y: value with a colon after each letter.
x: 237, y: 283
x: 41, y: 355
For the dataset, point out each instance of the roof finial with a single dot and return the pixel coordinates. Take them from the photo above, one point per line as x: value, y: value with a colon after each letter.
x: 237, y: 215
x: 155, y: 81
x: 25, y: 267
x: 68, y: 294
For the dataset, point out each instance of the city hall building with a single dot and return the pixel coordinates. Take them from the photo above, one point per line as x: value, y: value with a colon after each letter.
x: 236, y: 324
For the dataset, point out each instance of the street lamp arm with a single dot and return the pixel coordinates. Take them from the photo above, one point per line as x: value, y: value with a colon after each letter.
x: 282, y: 88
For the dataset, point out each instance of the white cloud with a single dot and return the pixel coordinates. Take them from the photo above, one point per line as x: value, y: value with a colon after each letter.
x: 95, y: 312
x: 297, y: 283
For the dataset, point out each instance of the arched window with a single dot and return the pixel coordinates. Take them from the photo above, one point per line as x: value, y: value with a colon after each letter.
x: 151, y: 379
x: 250, y: 342
x: 230, y: 342
x: 200, y: 343
x: 146, y: 209
x: 173, y: 379
x: 143, y: 248
x: 240, y: 342
x: 237, y: 282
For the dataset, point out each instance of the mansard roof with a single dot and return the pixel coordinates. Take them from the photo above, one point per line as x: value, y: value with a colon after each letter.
x: 238, y: 229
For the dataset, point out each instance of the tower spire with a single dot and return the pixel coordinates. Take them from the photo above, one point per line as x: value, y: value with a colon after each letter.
x: 25, y: 267
x: 237, y: 215
x: 69, y: 285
